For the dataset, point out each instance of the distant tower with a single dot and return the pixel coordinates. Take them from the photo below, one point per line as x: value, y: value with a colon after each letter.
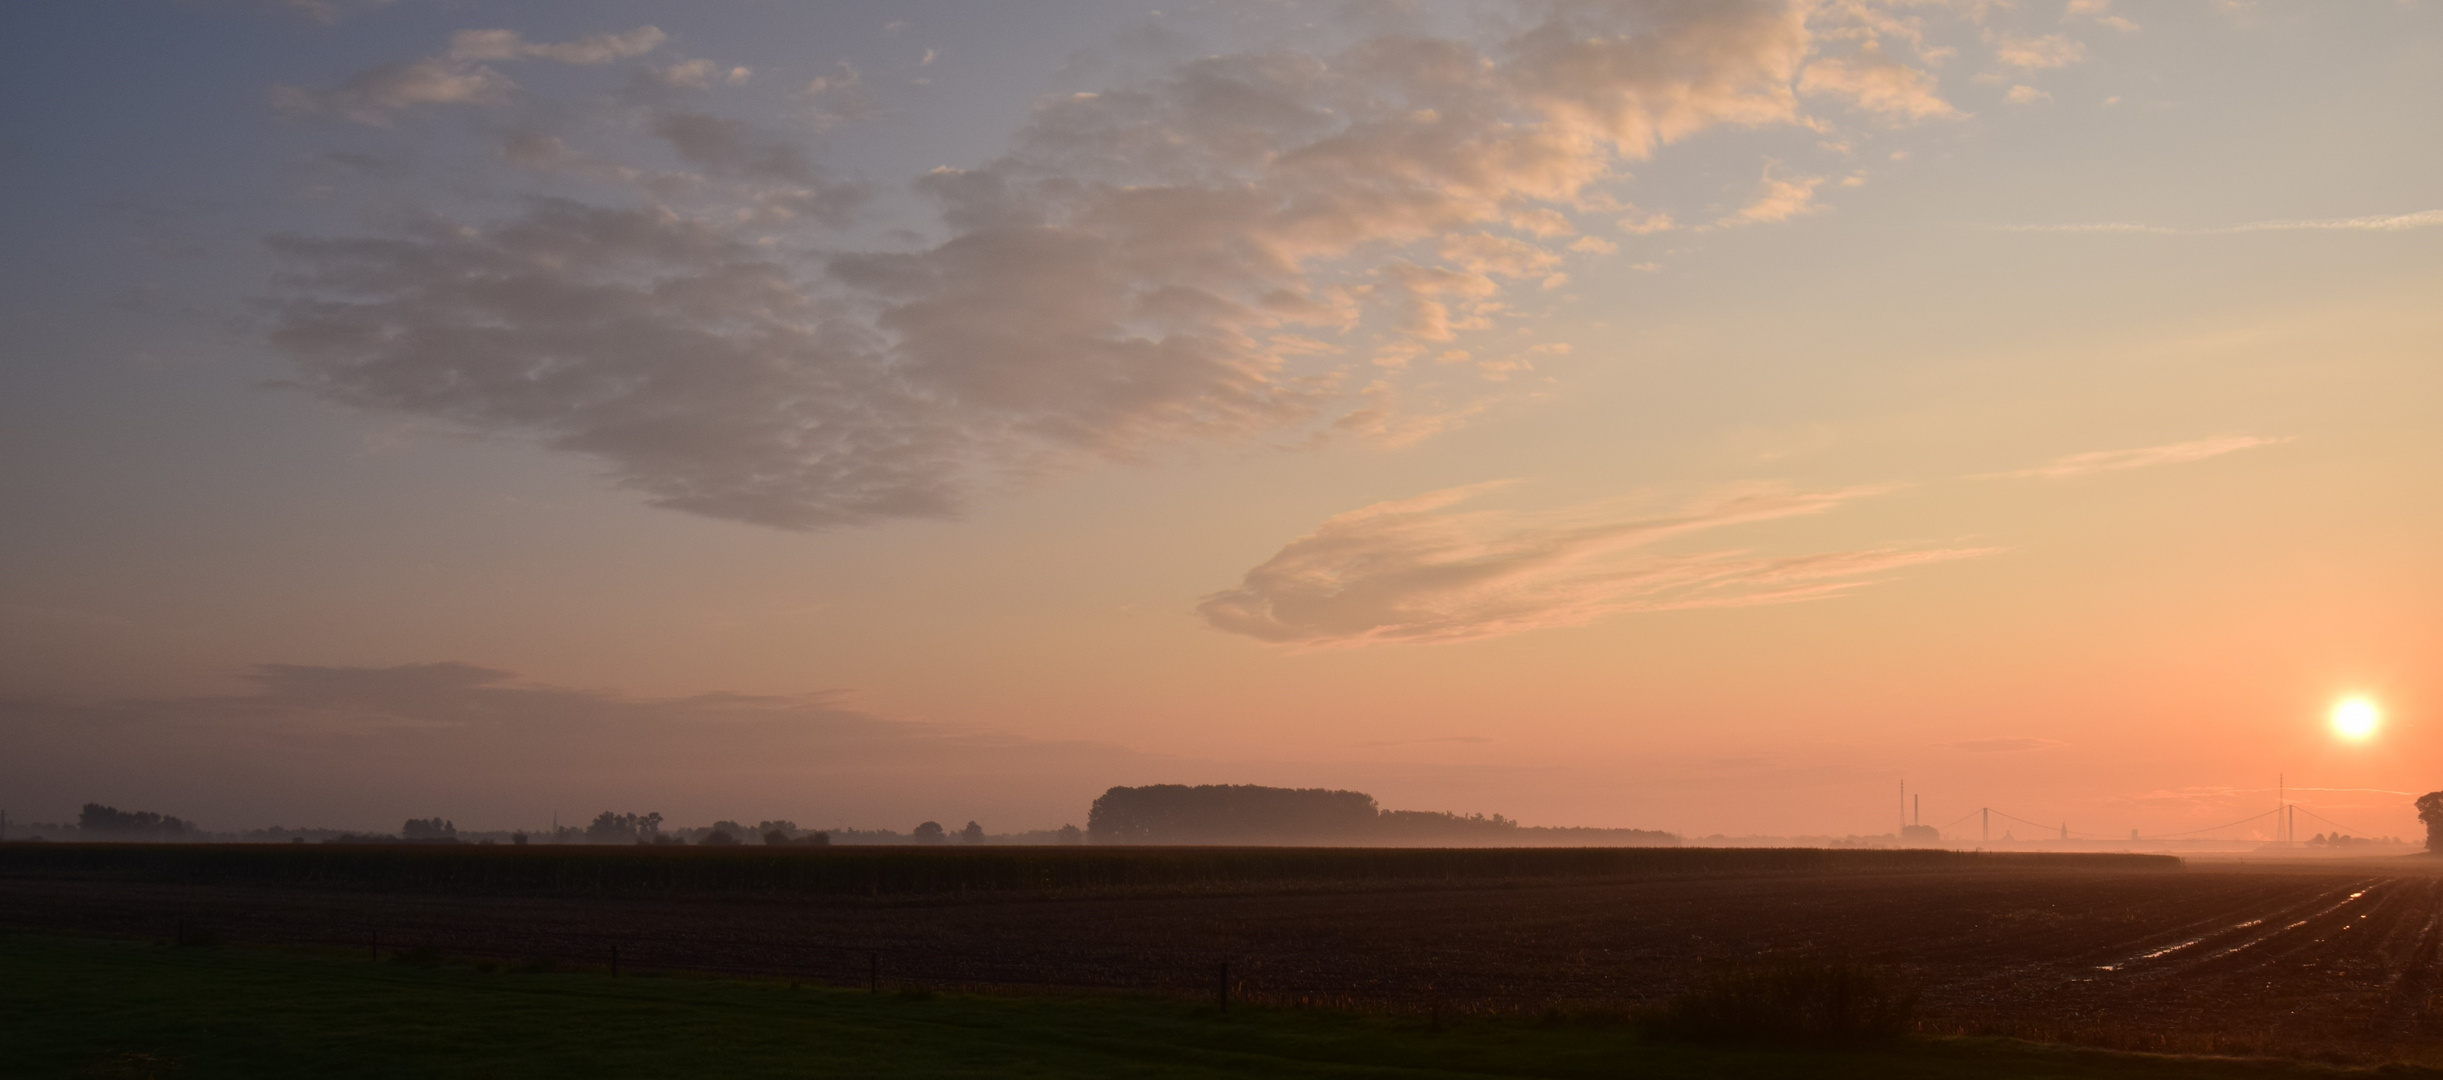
x: 2285, y: 826
x: 1916, y: 832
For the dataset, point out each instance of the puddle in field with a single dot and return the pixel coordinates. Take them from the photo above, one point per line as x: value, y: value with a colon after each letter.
x: 2170, y: 949
x: 2167, y: 951
x: 2344, y: 902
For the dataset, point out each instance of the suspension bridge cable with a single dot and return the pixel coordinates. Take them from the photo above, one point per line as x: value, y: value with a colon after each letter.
x: 2064, y: 828
x: 2211, y: 828
x: 2327, y: 820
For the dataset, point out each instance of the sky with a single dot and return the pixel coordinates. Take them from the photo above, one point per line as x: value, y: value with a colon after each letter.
x: 1697, y: 416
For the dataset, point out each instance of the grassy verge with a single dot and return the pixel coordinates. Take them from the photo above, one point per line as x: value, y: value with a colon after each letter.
x: 72, y: 1007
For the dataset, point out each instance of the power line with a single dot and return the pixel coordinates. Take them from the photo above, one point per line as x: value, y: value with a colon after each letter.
x: 2079, y: 835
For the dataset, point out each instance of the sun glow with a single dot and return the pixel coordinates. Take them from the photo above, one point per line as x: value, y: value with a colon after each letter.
x: 2356, y: 718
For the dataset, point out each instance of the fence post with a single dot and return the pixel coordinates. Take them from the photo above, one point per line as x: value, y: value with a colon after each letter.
x: 1224, y: 987
x: 614, y: 961
x: 873, y: 973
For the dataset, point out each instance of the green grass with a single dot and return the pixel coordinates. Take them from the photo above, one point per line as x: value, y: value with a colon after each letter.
x: 73, y: 1007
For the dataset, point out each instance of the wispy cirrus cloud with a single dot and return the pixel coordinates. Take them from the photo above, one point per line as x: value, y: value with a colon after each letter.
x: 2096, y: 461
x: 1416, y: 570
x: 2423, y: 219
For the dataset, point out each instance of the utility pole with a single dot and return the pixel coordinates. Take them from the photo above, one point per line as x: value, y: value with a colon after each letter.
x: 1984, y: 824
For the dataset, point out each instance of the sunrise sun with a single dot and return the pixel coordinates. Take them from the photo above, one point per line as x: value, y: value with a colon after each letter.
x: 2356, y: 718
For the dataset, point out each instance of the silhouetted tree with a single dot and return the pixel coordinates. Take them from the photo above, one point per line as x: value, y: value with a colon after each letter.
x: 972, y: 834
x: 928, y: 833
x: 719, y: 838
x: 2430, y: 811
x: 776, y: 838
x: 142, y: 824
x: 428, y: 829
x: 610, y: 828
x: 1071, y: 834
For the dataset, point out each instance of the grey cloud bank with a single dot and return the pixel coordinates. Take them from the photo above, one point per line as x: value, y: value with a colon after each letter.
x: 365, y: 747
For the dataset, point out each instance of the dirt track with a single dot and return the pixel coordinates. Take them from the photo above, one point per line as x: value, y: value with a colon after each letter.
x: 2333, y: 959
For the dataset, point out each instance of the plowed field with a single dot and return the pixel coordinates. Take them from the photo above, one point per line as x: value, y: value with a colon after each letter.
x: 2335, y: 960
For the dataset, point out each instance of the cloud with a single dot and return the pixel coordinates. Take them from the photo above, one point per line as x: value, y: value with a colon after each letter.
x: 1416, y: 570
x: 681, y: 353
x: 1780, y: 200
x: 2026, y: 95
x: 596, y: 48
x: 1877, y: 83
x: 2142, y: 457
x: 697, y: 74
x: 2423, y: 219
x: 375, y: 95
x: 1147, y: 266
x: 373, y: 745
x: 325, y: 12
x: 2008, y: 745
x: 2036, y: 53
x: 2100, y: 11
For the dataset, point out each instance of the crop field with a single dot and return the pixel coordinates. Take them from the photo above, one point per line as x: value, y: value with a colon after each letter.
x: 2330, y: 960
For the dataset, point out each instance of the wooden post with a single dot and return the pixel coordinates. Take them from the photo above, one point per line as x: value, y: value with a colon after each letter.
x: 1224, y: 996
x: 873, y: 973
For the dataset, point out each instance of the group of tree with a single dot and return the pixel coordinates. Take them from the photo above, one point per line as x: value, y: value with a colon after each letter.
x: 2345, y: 840
x: 610, y: 828
x: 429, y: 829
x: 1231, y: 814
x: 114, y: 823
x: 1254, y: 814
